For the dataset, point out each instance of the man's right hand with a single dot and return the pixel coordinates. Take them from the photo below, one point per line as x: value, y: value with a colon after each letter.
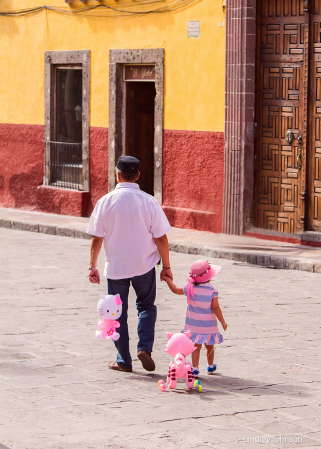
x: 94, y: 276
x: 163, y: 249
x: 95, y: 247
x: 166, y: 272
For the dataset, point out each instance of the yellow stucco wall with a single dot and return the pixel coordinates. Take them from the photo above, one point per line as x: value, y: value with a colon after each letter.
x: 194, y: 68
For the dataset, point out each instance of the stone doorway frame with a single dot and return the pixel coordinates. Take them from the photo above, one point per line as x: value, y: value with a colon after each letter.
x: 117, y: 59
x: 239, y: 157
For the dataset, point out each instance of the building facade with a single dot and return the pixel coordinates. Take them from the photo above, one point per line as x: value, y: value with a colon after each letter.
x: 219, y: 100
x: 81, y: 86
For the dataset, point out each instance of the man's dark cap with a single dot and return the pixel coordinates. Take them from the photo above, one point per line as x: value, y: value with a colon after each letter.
x: 128, y: 164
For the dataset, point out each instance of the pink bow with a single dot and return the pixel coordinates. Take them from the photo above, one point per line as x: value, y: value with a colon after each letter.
x: 117, y: 300
x: 189, y: 289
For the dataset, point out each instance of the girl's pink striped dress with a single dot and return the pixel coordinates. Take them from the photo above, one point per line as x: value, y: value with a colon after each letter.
x: 200, y: 318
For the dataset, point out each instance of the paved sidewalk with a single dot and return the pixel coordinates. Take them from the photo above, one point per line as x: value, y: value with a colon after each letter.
x: 255, y: 251
x: 56, y: 391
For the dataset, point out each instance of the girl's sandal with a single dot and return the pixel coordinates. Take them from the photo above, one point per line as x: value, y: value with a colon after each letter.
x: 196, y: 372
x: 210, y: 370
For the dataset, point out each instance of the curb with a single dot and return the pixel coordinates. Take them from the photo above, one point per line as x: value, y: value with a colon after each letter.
x: 259, y: 259
x: 43, y: 228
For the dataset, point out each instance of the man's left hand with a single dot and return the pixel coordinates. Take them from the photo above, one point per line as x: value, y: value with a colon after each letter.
x: 166, y: 272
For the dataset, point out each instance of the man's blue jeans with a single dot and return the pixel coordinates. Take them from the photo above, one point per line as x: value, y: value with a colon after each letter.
x: 145, y: 289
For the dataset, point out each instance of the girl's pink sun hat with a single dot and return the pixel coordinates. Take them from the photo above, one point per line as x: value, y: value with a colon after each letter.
x: 202, y: 271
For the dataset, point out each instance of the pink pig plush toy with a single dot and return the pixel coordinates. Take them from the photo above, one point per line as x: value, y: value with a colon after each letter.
x: 109, y: 308
x: 180, y: 346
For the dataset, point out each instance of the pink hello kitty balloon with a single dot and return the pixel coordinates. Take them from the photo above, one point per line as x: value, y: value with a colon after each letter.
x: 109, y: 308
x: 180, y: 346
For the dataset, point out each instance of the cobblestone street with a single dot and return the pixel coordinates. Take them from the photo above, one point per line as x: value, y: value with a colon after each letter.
x: 56, y: 391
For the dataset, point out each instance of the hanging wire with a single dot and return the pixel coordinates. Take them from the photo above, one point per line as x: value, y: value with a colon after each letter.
x: 90, y: 11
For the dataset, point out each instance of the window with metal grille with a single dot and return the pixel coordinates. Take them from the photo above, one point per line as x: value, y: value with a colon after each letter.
x: 67, y: 120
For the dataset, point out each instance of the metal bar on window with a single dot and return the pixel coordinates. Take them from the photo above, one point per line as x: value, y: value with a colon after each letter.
x: 64, y: 164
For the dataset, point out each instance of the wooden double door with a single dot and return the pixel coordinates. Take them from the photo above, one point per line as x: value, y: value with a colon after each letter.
x: 287, y: 196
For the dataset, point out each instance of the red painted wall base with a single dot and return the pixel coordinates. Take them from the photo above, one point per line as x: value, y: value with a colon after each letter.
x: 193, y: 179
x: 62, y: 201
x: 21, y: 165
x: 98, y: 166
x: 285, y: 239
x: 193, y: 219
x: 192, y: 176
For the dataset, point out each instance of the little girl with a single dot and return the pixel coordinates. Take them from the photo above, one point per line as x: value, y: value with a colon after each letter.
x: 202, y: 310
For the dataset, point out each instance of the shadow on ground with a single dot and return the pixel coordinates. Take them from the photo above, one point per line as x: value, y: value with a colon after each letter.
x: 217, y: 385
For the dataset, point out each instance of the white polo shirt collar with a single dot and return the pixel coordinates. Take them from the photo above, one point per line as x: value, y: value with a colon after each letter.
x: 130, y: 185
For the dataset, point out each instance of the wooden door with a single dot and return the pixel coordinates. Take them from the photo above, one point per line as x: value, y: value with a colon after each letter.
x: 140, y: 109
x: 280, y: 106
x: 314, y: 153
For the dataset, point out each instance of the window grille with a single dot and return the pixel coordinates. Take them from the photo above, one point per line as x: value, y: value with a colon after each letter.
x: 65, y: 164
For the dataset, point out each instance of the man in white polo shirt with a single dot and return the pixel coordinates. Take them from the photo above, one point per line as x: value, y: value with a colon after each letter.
x: 133, y: 228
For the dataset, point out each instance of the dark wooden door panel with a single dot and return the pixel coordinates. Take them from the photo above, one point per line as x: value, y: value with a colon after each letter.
x: 281, y: 8
x: 279, y: 107
x: 277, y: 189
x: 314, y: 153
x: 314, y: 159
x: 140, y: 129
x: 288, y: 79
x: 278, y: 40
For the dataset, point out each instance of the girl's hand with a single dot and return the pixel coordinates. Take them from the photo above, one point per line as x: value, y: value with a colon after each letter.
x: 172, y: 286
x: 166, y: 278
x: 224, y: 325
